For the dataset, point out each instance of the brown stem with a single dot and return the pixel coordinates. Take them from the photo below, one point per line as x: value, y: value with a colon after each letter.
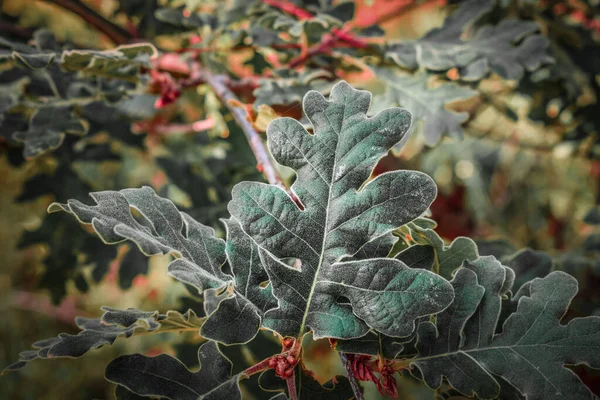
x: 226, y: 96
x: 114, y: 32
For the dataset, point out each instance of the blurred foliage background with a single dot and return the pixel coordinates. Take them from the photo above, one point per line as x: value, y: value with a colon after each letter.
x: 506, y: 121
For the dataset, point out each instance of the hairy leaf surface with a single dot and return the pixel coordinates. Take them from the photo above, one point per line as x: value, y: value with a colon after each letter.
x: 530, y: 352
x: 165, y: 376
x: 200, y: 256
x: 340, y: 213
x: 97, y: 332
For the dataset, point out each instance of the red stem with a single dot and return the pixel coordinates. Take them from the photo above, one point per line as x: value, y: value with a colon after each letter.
x: 291, y: 385
x: 261, y: 366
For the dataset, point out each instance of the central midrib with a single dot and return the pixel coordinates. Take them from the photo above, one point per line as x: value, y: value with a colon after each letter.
x: 325, y: 232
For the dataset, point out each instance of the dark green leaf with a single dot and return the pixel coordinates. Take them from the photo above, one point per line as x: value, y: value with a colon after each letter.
x: 165, y: 376
x: 97, y: 332
x: 47, y: 129
x: 200, y: 255
x: 530, y: 353
x: 447, y: 258
x: 336, y: 221
x: 492, y: 48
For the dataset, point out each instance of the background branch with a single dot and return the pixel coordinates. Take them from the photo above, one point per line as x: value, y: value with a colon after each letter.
x: 114, y: 32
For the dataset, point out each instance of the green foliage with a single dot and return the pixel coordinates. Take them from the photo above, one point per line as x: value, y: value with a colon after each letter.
x: 353, y: 260
x: 337, y: 220
x: 444, y: 329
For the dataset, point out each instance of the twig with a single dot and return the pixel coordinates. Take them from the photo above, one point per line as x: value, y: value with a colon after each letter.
x: 329, y: 41
x: 114, y: 32
x: 353, y: 382
x: 226, y: 96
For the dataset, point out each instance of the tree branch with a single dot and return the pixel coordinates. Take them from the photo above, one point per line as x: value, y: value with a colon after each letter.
x: 226, y: 96
x: 114, y: 32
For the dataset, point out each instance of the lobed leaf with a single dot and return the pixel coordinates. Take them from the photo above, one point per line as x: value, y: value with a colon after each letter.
x: 97, y: 332
x: 167, y: 377
x: 341, y: 213
x: 509, y: 48
x: 426, y: 104
x: 446, y: 259
x: 528, y: 357
x: 200, y: 256
x: 47, y: 129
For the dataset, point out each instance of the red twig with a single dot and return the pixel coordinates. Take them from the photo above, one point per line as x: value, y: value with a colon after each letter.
x: 201, y: 50
x: 329, y: 40
x: 291, y: 385
x: 166, y: 128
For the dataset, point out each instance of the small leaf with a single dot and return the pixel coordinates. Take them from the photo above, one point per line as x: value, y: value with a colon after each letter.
x: 167, y: 377
x: 200, y: 256
x: 122, y: 62
x: 47, y: 129
x: 490, y: 48
x: 97, y: 332
x: 426, y: 104
x: 447, y: 258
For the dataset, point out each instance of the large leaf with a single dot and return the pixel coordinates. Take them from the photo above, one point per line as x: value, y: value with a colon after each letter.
x: 509, y: 48
x: 340, y: 213
x: 165, y: 376
x: 426, y: 104
x: 529, y: 354
x: 200, y: 256
x: 97, y: 332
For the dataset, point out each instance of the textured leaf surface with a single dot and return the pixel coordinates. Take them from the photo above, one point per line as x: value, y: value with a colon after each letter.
x: 529, y: 354
x: 426, y: 104
x: 200, y: 256
x: 492, y: 48
x: 167, y: 377
x: 338, y: 218
x: 97, y: 332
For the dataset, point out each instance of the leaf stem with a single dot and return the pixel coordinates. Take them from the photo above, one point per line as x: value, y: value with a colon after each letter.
x: 261, y: 366
x: 291, y: 385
